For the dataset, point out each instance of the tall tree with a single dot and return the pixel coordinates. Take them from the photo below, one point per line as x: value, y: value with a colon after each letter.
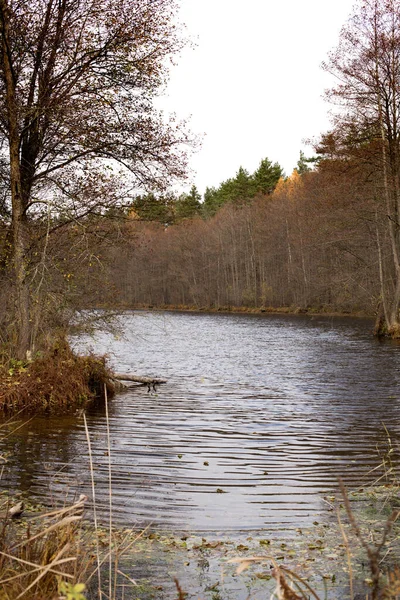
x: 367, y: 65
x: 77, y: 84
x: 154, y: 208
x: 188, y: 205
x: 267, y: 176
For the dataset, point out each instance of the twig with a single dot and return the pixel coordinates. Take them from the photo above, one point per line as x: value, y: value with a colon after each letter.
x: 110, y: 501
x: 94, y: 504
x: 348, y: 554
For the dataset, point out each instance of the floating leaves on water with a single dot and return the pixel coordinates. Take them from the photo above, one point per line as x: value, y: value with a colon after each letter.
x: 206, y: 463
x: 180, y: 455
x: 264, y: 542
x: 315, y: 546
x: 214, y: 544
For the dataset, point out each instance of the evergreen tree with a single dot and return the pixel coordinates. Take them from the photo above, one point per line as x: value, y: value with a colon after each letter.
x: 303, y: 163
x: 152, y: 208
x: 302, y: 166
x: 242, y: 187
x: 212, y: 201
x: 267, y: 176
x: 188, y: 205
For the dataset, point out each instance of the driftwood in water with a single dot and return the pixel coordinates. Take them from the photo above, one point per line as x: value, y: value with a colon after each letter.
x: 149, y: 381
x: 138, y: 379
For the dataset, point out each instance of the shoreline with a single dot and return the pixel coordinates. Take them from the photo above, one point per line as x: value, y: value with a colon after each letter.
x: 317, y: 554
x: 289, y: 311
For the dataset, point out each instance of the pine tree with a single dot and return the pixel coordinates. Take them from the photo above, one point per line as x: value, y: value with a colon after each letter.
x: 267, y: 176
x: 188, y: 205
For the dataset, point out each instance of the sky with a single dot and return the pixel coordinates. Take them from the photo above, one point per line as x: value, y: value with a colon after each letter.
x: 253, y: 83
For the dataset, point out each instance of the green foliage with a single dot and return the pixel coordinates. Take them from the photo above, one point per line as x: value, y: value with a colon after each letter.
x: 72, y: 592
x: 154, y: 208
x: 303, y: 164
x: 267, y: 176
x: 16, y: 366
x: 212, y: 201
x: 242, y: 188
x: 188, y: 205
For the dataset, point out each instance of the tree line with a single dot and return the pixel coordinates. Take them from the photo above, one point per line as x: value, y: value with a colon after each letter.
x: 329, y: 237
x: 304, y: 246
x: 241, y: 189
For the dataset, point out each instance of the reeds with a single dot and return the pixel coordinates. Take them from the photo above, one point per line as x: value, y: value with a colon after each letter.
x: 289, y: 585
x: 39, y: 554
x: 57, y: 555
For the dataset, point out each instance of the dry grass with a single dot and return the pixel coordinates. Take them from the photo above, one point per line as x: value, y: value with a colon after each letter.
x: 38, y: 554
x: 57, y: 380
x: 59, y: 556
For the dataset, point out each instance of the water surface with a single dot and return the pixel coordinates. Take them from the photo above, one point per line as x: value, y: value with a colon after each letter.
x: 259, y: 417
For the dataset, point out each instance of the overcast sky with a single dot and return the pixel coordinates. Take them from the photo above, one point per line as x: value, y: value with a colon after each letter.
x: 253, y: 84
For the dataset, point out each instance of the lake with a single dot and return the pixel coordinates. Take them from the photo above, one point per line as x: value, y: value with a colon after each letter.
x: 259, y: 417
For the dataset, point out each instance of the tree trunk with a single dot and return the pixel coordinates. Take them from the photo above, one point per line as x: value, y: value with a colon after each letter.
x: 18, y: 264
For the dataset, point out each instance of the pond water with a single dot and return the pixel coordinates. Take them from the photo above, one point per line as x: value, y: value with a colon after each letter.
x: 259, y: 417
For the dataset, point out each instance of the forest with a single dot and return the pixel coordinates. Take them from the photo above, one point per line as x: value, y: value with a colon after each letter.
x: 308, y: 241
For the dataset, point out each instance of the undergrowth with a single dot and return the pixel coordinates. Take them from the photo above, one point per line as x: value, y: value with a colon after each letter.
x: 56, y: 380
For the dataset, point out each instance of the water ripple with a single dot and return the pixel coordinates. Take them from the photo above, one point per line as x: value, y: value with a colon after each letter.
x: 259, y: 417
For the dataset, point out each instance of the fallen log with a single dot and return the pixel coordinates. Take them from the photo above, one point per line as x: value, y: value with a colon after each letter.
x: 138, y: 379
x: 151, y: 382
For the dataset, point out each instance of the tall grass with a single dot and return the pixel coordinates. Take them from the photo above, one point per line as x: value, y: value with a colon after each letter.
x: 58, y: 555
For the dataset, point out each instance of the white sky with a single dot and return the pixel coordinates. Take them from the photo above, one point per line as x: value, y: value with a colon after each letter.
x: 253, y: 84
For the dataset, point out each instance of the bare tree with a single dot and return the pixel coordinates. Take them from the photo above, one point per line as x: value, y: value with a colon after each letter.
x: 367, y: 65
x: 78, y: 80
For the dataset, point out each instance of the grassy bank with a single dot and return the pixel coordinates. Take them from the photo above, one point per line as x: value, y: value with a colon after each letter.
x: 56, y: 380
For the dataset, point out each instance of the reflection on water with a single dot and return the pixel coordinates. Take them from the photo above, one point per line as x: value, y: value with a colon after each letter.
x: 259, y: 416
